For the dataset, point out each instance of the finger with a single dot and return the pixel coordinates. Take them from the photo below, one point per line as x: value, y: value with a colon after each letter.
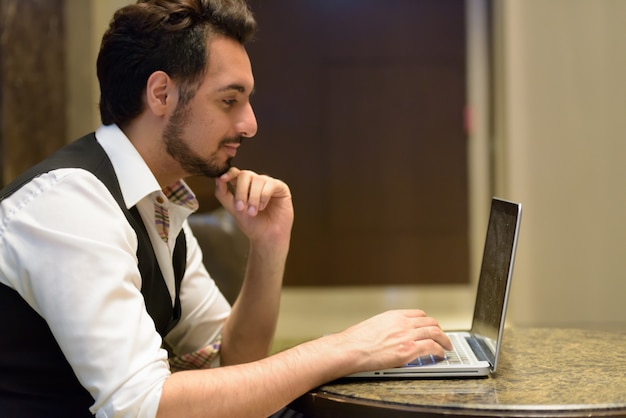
x: 425, y: 321
x: 242, y: 190
x: 435, y: 334
x: 230, y: 175
x: 225, y: 187
x: 256, y: 194
x: 272, y: 188
x: 223, y: 194
x: 444, y: 341
x: 429, y: 347
x: 267, y: 192
x: 413, y: 313
x: 223, y: 183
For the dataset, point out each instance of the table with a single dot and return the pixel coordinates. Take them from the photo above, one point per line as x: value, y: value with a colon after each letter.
x: 541, y: 372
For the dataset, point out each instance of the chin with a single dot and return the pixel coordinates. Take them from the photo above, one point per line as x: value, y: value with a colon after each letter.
x: 214, y: 171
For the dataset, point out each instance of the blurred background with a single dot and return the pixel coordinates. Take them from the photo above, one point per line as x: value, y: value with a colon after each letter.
x: 395, y: 122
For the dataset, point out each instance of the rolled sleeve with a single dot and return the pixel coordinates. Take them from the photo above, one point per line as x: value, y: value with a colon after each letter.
x: 70, y: 253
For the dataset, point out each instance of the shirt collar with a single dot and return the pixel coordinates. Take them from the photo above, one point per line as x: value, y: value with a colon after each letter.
x: 180, y: 194
x: 133, y: 174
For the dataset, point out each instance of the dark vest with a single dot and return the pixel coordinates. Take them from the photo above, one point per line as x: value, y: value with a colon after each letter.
x: 35, y: 378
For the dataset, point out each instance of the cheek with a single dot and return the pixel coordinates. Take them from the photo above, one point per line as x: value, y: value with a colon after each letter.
x: 205, y: 121
x: 215, y: 129
x: 208, y: 136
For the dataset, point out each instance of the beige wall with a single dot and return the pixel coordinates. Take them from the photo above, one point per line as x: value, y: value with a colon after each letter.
x: 86, y: 21
x: 562, y: 151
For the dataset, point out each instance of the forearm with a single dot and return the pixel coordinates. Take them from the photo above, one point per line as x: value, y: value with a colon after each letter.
x: 255, y: 389
x: 263, y: 210
x: 249, y: 330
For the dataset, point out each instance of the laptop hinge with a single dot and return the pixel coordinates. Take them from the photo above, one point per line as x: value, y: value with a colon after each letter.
x: 480, y: 348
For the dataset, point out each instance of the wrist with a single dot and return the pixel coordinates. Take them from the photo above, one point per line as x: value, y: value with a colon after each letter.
x: 269, y: 250
x: 331, y: 351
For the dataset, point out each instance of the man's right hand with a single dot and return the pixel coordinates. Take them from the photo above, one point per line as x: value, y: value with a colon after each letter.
x: 391, y: 339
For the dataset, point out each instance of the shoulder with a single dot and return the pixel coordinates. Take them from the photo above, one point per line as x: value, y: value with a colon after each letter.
x: 64, y: 184
x: 61, y: 198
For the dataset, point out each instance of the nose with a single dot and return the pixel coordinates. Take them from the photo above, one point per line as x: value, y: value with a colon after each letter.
x: 247, y: 125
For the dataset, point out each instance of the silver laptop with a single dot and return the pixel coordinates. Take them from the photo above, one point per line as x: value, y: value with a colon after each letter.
x: 476, y: 351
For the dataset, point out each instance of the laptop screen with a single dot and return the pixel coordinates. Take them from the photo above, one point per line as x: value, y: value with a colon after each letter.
x: 495, y: 272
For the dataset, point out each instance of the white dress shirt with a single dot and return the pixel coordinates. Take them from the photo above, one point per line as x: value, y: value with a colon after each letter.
x: 68, y: 250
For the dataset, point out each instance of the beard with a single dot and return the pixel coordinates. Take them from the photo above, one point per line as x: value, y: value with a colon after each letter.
x: 190, y: 161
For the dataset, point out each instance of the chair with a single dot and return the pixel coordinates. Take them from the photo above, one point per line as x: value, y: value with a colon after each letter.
x: 224, y: 248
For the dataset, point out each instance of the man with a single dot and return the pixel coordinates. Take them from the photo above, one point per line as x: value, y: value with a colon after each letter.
x: 101, y: 280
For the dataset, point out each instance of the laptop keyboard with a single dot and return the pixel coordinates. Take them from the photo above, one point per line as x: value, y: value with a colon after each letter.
x: 454, y: 356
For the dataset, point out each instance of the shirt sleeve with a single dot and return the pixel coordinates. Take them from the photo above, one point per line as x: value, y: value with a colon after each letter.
x: 204, y: 358
x: 69, y: 252
x: 204, y: 308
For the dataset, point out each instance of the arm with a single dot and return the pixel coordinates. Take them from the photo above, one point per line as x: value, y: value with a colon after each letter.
x: 68, y: 250
x: 263, y: 210
x: 252, y: 387
x: 260, y: 388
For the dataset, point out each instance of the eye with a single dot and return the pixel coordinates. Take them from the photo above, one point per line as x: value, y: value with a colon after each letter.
x: 230, y: 102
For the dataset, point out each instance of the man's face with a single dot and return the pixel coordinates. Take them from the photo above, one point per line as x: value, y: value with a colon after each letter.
x: 203, y: 135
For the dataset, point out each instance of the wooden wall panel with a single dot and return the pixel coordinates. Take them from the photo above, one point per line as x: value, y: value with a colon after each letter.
x: 32, y: 83
x: 360, y: 108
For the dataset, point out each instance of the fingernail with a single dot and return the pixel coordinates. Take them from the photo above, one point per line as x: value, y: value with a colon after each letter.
x: 251, y: 210
x: 239, y: 205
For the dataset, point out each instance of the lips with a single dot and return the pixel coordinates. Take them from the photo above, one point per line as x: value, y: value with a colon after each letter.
x: 231, y: 149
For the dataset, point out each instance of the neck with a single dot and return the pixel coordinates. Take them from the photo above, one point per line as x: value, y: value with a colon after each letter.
x: 147, y: 139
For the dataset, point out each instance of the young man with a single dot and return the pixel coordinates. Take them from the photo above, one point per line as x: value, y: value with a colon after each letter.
x: 102, y: 287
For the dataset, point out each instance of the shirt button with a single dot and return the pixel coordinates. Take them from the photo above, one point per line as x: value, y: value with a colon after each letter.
x: 160, y: 200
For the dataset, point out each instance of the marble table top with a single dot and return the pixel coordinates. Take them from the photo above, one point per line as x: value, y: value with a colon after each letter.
x: 553, y: 372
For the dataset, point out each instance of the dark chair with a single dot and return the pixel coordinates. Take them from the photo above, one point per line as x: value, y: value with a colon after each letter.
x: 224, y: 248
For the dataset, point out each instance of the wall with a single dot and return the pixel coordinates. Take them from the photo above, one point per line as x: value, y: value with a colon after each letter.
x: 561, y: 148
x: 86, y: 21
x: 32, y: 85
x: 558, y: 146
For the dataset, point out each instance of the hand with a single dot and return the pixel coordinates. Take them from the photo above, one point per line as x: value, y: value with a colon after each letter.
x: 393, y: 338
x: 260, y: 204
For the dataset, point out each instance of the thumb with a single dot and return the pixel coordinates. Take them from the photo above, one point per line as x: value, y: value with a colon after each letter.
x: 224, y: 195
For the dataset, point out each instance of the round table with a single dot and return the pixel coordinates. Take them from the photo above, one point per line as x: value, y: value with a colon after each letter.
x: 541, y: 372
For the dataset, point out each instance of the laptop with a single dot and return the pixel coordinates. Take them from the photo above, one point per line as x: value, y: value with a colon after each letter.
x: 476, y: 351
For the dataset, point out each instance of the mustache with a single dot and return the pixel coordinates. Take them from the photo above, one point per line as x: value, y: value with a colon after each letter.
x: 232, y: 140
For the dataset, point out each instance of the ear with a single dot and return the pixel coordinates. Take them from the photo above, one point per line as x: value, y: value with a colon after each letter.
x: 159, y: 89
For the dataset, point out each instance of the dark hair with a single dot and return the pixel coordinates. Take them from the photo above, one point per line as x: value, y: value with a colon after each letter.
x: 162, y: 35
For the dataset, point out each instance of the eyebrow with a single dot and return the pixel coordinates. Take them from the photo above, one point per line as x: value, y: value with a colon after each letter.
x: 236, y: 87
